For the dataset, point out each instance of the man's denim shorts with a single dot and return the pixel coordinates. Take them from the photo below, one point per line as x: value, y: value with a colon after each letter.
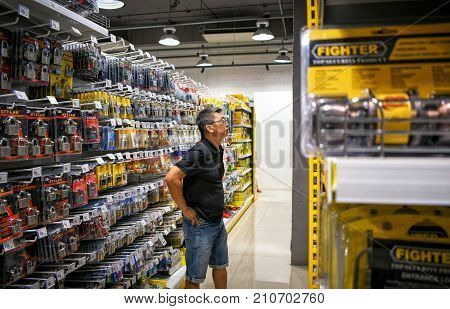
x: 205, y: 245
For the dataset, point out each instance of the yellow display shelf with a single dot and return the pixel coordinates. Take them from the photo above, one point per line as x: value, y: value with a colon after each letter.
x: 230, y: 225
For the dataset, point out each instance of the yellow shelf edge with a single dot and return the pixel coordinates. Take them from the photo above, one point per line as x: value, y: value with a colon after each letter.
x: 239, y: 214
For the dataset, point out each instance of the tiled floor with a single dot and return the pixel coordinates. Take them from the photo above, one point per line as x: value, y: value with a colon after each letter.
x: 259, y: 247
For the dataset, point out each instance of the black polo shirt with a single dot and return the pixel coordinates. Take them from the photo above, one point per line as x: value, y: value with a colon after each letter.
x: 202, y: 186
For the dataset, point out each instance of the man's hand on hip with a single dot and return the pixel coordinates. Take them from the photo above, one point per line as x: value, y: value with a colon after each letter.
x: 191, y: 214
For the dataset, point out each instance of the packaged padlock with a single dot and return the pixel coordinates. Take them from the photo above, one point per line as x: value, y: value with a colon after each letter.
x: 68, y: 130
x: 15, y: 265
x: 40, y: 132
x: 55, y: 194
x: 91, y: 127
x: 91, y: 184
x: 25, y: 200
x: 13, y: 132
x: 10, y: 223
x: 79, y: 192
x: 108, y: 137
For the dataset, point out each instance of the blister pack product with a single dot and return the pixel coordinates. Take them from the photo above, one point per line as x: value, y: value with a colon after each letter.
x: 55, y: 197
x: 13, y: 132
x: 10, y: 223
x: 68, y: 129
x: 91, y: 127
x: 26, y: 202
x: 40, y: 132
x: 5, y: 61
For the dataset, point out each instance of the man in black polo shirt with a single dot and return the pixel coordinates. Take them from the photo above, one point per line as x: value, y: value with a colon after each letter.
x: 195, y: 183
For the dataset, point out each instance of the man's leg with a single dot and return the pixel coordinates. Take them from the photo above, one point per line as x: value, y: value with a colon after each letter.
x: 190, y: 285
x: 220, y: 278
x: 219, y: 258
x: 198, y: 251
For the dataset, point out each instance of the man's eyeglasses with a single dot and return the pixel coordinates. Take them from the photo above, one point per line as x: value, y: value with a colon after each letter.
x: 223, y: 120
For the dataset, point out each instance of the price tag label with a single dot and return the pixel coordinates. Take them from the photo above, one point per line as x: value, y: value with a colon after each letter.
x: 94, y: 39
x: 52, y: 99
x: 98, y: 105
x: 21, y: 95
x: 66, y: 224
x: 120, y: 86
x: 42, y: 232
x: 127, y: 121
x: 141, y: 154
x: 54, y: 25
x: 4, y: 177
x: 86, y: 217
x: 77, y: 220
x: 60, y: 275
x: 108, y: 83
x: 119, y: 156
x: 141, y: 52
x: 100, y: 160
x: 133, y: 123
x: 129, y: 88
x: 127, y: 155
x: 104, y: 208
x: 36, y: 172
x: 161, y: 238
x: 85, y: 168
x: 135, y: 155
x: 111, y: 156
x: 66, y: 167
x: 76, y: 31
x: 9, y: 245
x: 132, y: 47
x: 76, y: 103
x: 113, y: 38
x: 119, y: 121
x: 23, y: 11
x: 113, y: 122
x: 137, y: 124
x: 109, y: 199
x: 150, y: 243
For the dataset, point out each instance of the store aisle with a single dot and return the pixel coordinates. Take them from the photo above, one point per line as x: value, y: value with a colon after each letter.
x: 259, y: 247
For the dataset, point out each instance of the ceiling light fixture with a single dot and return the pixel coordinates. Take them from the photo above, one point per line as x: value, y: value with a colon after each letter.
x: 204, y: 62
x: 283, y: 57
x: 169, y: 38
x: 109, y: 4
x: 263, y: 33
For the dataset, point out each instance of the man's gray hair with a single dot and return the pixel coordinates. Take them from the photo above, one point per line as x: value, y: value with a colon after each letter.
x: 206, y: 117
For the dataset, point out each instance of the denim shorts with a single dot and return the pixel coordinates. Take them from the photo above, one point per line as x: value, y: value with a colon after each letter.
x: 206, y: 244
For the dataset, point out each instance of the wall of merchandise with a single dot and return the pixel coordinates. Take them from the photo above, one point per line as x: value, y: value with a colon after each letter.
x: 377, y: 134
x: 88, y: 130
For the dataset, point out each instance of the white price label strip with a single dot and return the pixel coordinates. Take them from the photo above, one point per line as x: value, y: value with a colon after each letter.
x: 98, y: 105
x: 100, y: 160
x: 66, y: 224
x: 127, y: 155
x: 42, y: 232
x: 54, y: 24
x: 108, y: 83
x: 36, y: 172
x: 120, y: 86
x: 21, y: 95
x: 129, y: 88
x: 66, y: 167
x: 76, y: 103
x: 4, y: 177
x: 94, y: 39
x: 132, y: 47
x: 76, y: 31
x: 52, y: 99
x: 9, y: 245
x: 113, y: 122
x: 113, y: 38
x: 23, y: 11
x: 111, y: 156
x: 119, y: 121
x: 119, y: 156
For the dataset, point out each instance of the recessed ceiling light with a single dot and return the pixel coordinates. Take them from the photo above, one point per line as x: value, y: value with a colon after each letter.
x: 169, y: 38
x: 110, y: 4
x: 263, y: 33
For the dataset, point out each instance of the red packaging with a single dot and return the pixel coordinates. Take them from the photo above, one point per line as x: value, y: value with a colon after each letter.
x: 91, y: 184
x: 79, y: 191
